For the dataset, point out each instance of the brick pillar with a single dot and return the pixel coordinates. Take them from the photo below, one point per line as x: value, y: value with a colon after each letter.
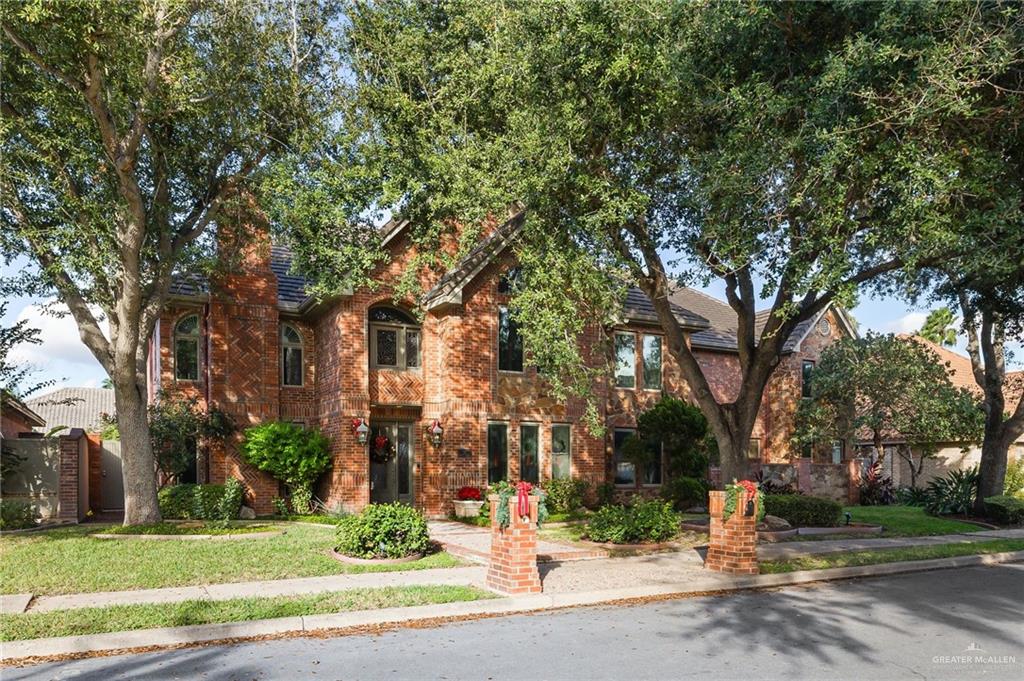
x: 67, y: 479
x: 803, y: 475
x: 512, y: 568
x: 733, y: 547
x: 853, y: 482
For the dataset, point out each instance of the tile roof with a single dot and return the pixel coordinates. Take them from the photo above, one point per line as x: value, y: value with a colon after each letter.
x: 638, y: 308
x: 291, y: 288
x: 961, y: 374
x: 9, y: 401
x: 74, y: 407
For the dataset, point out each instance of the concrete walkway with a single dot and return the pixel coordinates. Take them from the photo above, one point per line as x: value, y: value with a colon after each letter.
x: 792, y: 549
x: 474, y: 543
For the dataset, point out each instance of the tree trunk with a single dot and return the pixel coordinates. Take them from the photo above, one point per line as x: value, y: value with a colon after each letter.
x: 992, y: 469
x: 138, y: 465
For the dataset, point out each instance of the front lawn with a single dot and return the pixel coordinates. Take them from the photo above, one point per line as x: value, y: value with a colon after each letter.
x: 907, y: 521
x: 834, y: 560
x: 191, y: 528
x: 66, y: 560
x: 83, y: 621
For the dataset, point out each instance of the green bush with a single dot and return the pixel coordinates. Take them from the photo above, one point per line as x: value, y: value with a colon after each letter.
x: 1013, y: 484
x: 202, y: 502
x: 953, y: 493
x: 565, y: 495
x: 230, y: 503
x: 176, y: 501
x: 644, y: 521
x: 383, y: 531
x: 289, y: 452
x: 684, y: 492
x: 17, y: 515
x: 205, y: 499
x: 911, y: 496
x: 803, y: 511
x: 1005, y: 510
x: 605, y: 494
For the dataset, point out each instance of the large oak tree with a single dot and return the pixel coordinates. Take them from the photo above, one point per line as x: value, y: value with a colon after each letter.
x: 127, y: 129
x: 795, y: 152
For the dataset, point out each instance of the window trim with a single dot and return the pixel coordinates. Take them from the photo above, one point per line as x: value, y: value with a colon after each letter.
x: 401, y: 347
x: 568, y: 451
x: 291, y: 345
x: 757, y: 441
x: 643, y: 359
x: 503, y: 309
x: 626, y: 334
x: 192, y: 337
x: 805, y: 384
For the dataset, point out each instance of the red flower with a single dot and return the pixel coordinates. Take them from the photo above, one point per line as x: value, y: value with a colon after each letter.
x: 468, y: 493
x: 750, y: 487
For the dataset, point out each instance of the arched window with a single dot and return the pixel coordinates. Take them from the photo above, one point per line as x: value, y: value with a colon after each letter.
x: 394, y: 339
x: 186, y: 348
x: 291, y: 356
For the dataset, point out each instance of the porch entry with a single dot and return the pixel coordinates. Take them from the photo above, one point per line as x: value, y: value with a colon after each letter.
x: 392, y: 480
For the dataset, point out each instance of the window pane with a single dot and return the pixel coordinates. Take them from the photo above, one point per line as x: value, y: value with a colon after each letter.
x: 497, y: 452
x: 290, y: 335
x: 652, y: 471
x: 625, y: 358
x: 292, y: 359
x: 186, y: 359
x: 528, y: 448
x: 624, y: 472
x: 404, y: 479
x: 412, y: 348
x: 188, y: 326
x: 837, y: 451
x: 390, y: 314
x: 510, y: 343
x: 387, y: 347
x: 561, y: 463
x: 806, y: 370
x: 652, y: 362
x: 508, y: 280
x: 754, y: 449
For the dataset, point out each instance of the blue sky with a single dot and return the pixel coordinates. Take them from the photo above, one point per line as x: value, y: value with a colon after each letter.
x: 64, y: 359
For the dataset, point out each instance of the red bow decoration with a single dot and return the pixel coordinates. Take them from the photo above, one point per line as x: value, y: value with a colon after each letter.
x: 523, y: 500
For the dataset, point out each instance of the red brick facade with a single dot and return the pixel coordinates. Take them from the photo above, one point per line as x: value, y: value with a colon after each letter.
x: 733, y: 541
x: 458, y: 382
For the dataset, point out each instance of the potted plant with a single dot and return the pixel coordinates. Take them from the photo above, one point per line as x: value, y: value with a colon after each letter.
x: 468, y: 503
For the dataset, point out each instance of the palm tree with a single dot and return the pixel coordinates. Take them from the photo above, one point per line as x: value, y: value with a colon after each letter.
x: 939, y: 328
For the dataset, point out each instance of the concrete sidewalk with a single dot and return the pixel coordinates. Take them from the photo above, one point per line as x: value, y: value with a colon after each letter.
x: 440, y: 613
x: 474, y: 543
x: 793, y: 549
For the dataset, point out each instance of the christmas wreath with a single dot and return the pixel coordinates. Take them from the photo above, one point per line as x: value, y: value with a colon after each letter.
x: 382, y: 450
x: 506, y: 490
x: 732, y: 499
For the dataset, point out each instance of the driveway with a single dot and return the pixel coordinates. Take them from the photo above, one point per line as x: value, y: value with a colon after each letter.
x: 949, y: 624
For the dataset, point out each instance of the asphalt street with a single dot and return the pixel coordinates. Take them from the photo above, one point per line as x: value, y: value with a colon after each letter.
x: 949, y: 624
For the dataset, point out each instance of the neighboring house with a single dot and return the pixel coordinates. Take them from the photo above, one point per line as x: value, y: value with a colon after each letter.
x: 17, y: 419
x: 75, y: 408
x: 253, y: 344
x: 951, y: 455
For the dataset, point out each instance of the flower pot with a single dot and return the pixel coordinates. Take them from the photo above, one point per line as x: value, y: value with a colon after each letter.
x: 467, y: 509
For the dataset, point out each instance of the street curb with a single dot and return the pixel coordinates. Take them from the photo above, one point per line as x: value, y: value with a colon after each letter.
x: 11, y: 651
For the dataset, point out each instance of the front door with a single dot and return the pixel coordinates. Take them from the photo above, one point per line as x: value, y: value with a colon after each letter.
x: 391, y: 466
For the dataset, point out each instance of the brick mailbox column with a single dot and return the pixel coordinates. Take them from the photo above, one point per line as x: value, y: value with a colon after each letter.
x: 512, y: 568
x: 733, y: 547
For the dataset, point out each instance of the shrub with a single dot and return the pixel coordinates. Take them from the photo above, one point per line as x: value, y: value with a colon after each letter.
x: 911, y: 496
x: 953, y: 493
x: 200, y: 502
x: 684, y: 492
x: 280, y: 506
x: 289, y: 452
x: 383, y: 531
x: 1013, y: 484
x: 565, y: 495
x: 605, y: 494
x: 468, y: 493
x: 176, y: 501
x: 876, y: 489
x: 205, y: 500
x: 1005, y: 510
x: 302, y: 500
x: 230, y: 502
x: 17, y: 515
x: 803, y: 511
x: 644, y: 521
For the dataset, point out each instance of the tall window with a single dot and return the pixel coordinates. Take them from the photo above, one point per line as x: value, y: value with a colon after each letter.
x: 652, y: 362
x: 529, y: 452
x: 806, y: 371
x: 186, y: 348
x: 625, y: 360
x: 497, y: 452
x: 754, y: 449
x: 624, y: 470
x: 291, y: 356
x: 394, y: 339
x: 510, y: 343
x: 561, y: 461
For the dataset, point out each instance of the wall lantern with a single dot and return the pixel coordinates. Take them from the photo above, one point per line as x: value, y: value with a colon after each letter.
x: 436, y: 431
x: 361, y: 430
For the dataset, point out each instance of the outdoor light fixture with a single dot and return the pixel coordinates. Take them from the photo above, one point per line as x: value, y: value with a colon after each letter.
x: 361, y: 430
x: 436, y: 431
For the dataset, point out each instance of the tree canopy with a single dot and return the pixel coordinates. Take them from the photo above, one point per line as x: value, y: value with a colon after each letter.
x: 939, y: 327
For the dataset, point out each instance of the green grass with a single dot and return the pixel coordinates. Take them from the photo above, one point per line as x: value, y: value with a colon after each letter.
x: 125, y: 617
x: 311, y: 518
x: 66, y: 560
x: 907, y: 521
x: 569, y: 532
x: 891, y: 555
x: 191, y: 528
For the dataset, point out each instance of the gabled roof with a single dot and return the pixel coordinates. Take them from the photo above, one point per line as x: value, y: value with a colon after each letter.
x: 75, y: 407
x: 638, y: 308
x: 9, y: 402
x: 448, y: 289
x: 961, y: 373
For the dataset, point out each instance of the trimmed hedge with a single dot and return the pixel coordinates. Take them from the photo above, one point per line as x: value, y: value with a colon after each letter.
x: 200, y: 502
x: 684, y: 492
x: 1005, y: 510
x: 644, y: 521
x: 383, y: 531
x: 803, y: 511
x: 564, y: 495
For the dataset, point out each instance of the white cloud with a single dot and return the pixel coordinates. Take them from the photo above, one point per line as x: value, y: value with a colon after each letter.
x: 60, y: 339
x: 908, y: 323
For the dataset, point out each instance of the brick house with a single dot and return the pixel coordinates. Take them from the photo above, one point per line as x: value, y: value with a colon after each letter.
x: 253, y: 344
